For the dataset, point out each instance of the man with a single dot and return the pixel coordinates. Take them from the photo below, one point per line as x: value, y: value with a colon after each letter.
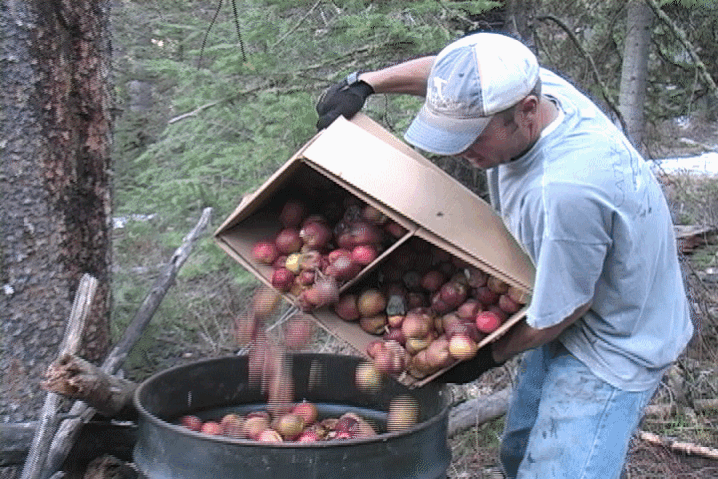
x: 609, y: 312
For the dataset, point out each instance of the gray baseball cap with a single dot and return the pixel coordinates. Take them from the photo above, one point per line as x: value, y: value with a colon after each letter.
x: 471, y: 80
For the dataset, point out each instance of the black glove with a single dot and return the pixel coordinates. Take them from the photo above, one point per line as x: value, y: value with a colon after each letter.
x: 470, y: 370
x: 345, y: 98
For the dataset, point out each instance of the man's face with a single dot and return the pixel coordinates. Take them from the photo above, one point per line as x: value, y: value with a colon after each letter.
x: 507, y: 136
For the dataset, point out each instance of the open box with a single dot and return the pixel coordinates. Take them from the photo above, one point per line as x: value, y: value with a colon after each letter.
x: 360, y: 159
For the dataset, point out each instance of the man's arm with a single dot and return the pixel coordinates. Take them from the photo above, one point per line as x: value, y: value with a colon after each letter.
x: 408, y: 77
x: 522, y: 336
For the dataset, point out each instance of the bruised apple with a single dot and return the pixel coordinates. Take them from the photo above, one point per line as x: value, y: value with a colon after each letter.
x: 496, y: 285
x: 371, y: 302
x: 288, y: 241
x: 517, y: 295
x: 367, y: 378
x: 232, y: 425
x: 269, y: 435
x: 346, y: 307
x: 292, y: 214
x: 282, y: 279
x: 373, y: 324
x: 212, y: 428
x: 289, y: 425
x: 432, y: 280
x: 462, y: 347
x: 417, y: 323
x: 507, y: 304
x: 438, y: 355
x: 298, y: 332
x: 307, y: 411
x: 191, y: 422
x: 403, y: 413
x: 315, y: 234
x: 265, y: 252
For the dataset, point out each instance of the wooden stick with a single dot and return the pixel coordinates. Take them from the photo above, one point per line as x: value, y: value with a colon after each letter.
x: 677, y: 446
x: 478, y: 411
x: 75, y: 378
x: 81, y: 412
x: 34, y: 464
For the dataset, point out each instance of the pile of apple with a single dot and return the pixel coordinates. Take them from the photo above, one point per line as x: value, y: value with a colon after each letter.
x: 313, y: 253
x: 302, y: 423
x: 431, y: 309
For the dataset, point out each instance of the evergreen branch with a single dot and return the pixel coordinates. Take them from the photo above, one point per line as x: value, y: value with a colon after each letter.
x: 296, y: 25
x: 683, y: 39
x: 268, y: 87
x: 604, y: 90
x: 193, y: 112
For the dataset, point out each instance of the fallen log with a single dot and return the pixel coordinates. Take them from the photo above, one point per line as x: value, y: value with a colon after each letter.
x: 478, y: 411
x: 81, y: 412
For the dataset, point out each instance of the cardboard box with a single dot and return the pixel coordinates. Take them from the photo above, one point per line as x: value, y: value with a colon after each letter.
x: 361, y: 159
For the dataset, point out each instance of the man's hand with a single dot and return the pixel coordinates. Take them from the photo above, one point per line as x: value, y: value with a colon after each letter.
x: 470, y: 370
x: 343, y: 98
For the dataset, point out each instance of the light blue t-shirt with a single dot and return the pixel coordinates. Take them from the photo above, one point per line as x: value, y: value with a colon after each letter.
x: 589, y: 212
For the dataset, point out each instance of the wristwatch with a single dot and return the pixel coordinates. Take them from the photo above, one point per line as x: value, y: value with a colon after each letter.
x: 353, y: 77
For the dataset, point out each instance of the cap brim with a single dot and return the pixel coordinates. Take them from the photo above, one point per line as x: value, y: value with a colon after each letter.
x: 441, y: 135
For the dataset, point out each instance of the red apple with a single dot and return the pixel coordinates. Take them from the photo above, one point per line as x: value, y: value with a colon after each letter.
x: 292, y: 213
x: 487, y: 321
x: 191, y: 422
x: 265, y: 252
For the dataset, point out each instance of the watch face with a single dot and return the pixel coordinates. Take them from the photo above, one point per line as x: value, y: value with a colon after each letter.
x: 353, y: 77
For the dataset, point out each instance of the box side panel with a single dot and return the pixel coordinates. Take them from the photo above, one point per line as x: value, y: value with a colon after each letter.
x: 423, y: 193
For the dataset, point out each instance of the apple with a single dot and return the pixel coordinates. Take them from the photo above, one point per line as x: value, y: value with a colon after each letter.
x: 487, y: 321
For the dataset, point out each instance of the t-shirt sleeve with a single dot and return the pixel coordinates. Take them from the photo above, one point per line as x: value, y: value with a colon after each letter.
x: 567, y: 233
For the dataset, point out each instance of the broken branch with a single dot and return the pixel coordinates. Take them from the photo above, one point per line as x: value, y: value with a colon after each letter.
x: 677, y: 446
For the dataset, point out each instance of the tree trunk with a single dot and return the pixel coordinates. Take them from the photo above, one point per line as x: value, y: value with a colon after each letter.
x: 55, y: 140
x: 519, y: 15
x: 635, y: 69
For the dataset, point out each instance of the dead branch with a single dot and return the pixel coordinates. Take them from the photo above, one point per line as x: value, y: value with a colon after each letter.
x: 677, y: 446
x: 478, y: 411
x: 705, y: 405
x: 76, y: 378
x: 604, y: 90
x: 683, y: 39
x: 70, y: 344
x: 81, y: 412
x: 296, y: 25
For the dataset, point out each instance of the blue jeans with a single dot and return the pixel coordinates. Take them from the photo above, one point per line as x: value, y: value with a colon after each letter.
x: 564, y: 422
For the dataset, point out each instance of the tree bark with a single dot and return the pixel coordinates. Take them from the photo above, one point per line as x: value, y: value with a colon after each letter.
x: 518, y: 20
x: 55, y: 142
x: 634, y: 70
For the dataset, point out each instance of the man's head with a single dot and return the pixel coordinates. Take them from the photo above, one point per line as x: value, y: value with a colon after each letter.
x: 480, y: 81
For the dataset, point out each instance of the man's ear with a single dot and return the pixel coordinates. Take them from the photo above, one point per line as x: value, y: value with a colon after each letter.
x: 527, y: 109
